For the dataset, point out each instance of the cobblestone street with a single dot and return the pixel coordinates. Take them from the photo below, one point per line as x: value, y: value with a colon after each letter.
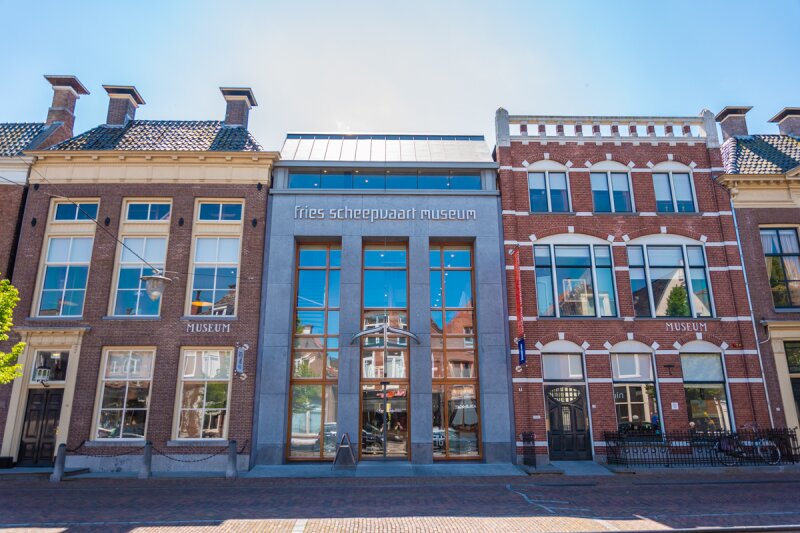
x: 539, y: 503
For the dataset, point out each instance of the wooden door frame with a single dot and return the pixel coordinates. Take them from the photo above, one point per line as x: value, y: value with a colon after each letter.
x: 41, y: 339
x: 46, y: 390
x: 586, y: 412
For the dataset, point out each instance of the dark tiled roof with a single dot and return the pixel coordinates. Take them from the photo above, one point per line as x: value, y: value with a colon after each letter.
x: 167, y: 135
x: 14, y: 138
x: 761, y: 154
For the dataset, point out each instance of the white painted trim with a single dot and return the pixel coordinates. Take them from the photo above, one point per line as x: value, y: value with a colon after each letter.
x: 600, y: 380
x: 736, y: 318
x: 745, y: 380
x: 724, y: 269
x: 670, y: 380
x: 527, y: 380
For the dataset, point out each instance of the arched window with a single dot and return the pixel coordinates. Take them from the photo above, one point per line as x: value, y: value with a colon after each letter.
x: 548, y: 187
x: 611, y: 188
x: 669, y: 277
x: 674, y: 188
x: 574, y: 276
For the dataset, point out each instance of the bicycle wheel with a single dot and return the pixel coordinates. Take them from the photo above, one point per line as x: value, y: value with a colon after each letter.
x: 730, y: 458
x: 769, y: 453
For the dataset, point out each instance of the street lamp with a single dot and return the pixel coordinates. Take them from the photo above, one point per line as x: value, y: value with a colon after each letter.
x: 155, y: 284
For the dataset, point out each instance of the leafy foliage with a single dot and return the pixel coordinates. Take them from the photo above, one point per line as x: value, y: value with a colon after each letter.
x: 678, y: 302
x: 9, y: 368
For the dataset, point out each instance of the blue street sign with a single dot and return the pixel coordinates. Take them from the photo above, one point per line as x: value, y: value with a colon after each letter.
x: 521, y: 348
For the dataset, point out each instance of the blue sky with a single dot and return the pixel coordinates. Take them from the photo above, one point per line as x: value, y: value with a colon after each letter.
x: 410, y: 66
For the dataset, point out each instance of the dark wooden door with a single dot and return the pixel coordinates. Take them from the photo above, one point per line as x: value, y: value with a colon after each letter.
x: 568, y: 435
x: 39, y: 430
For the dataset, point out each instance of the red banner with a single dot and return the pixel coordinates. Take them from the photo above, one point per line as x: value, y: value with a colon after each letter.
x: 518, y: 293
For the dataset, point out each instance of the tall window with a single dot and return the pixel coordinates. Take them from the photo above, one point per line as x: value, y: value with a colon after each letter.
x: 669, y: 281
x: 65, y: 276
x: 131, y: 297
x: 792, y: 349
x: 453, y: 353
x: 782, y: 254
x: 673, y: 192
x: 315, y: 353
x: 216, y: 270
x: 635, y: 393
x: 572, y: 272
x: 124, y: 394
x: 611, y: 192
x: 549, y: 192
x: 384, y: 359
x: 205, y: 393
x: 704, y: 384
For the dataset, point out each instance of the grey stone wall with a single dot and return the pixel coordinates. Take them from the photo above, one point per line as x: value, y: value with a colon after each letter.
x: 483, y: 232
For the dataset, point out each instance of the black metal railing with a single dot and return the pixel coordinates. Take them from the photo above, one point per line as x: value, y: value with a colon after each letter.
x: 747, y: 447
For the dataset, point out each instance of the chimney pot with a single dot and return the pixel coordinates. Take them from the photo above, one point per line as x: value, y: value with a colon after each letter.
x: 240, y: 100
x: 732, y: 121
x: 122, y: 104
x: 66, y: 91
x: 788, y: 120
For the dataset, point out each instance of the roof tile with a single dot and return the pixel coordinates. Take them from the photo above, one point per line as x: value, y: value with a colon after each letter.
x: 16, y: 137
x: 761, y: 154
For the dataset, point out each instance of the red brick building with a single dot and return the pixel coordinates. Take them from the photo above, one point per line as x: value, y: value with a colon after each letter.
x: 634, y: 307
x: 15, y: 139
x: 110, y: 364
x: 762, y: 171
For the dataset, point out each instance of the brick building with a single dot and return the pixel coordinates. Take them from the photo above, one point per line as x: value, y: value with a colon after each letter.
x: 16, y: 138
x: 109, y: 364
x: 762, y: 172
x: 633, y: 299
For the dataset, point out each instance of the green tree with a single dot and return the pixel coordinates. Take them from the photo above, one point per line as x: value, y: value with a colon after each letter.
x: 9, y: 368
x: 678, y: 302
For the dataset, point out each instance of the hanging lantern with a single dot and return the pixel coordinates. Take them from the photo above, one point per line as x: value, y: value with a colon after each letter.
x: 155, y: 285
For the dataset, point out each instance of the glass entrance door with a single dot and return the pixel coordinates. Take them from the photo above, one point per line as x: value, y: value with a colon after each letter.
x: 384, y: 420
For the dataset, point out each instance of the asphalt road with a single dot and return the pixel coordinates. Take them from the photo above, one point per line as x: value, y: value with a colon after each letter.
x: 536, y: 503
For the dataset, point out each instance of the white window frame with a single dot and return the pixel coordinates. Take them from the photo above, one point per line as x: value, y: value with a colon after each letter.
x: 610, y: 185
x: 150, y: 205
x: 547, y: 190
x: 120, y: 265
x: 596, y: 295
x: 80, y: 204
x: 203, y: 202
x: 100, y: 389
x: 669, y: 174
x: 687, y: 275
x: 179, y: 396
x: 216, y: 265
x: 43, y: 274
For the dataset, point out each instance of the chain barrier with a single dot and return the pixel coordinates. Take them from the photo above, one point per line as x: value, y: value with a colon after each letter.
x: 91, y: 453
x: 201, y: 459
x: 128, y: 449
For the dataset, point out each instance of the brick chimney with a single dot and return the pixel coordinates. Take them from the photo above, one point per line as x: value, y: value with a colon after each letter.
x: 732, y: 121
x: 122, y: 104
x: 66, y: 91
x: 788, y: 120
x: 240, y: 100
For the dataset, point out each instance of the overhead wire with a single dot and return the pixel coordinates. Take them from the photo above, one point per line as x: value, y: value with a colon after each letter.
x: 60, y: 195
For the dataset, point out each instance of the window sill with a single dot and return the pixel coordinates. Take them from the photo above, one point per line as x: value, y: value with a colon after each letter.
x: 58, y: 318
x: 210, y: 443
x: 119, y: 443
x: 787, y: 309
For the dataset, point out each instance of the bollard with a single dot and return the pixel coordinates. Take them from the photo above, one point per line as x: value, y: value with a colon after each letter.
x: 58, y: 468
x: 147, y: 461
x: 231, y: 472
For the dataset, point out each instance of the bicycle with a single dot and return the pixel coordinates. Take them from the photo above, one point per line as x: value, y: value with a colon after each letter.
x: 731, y: 450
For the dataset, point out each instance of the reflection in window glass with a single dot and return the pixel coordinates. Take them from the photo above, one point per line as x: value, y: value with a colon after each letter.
x: 792, y: 356
x: 125, y: 394
x: 782, y: 253
x: 74, y: 211
x: 454, y: 353
x: 216, y: 271
x: 611, y: 192
x: 204, y: 394
x: 66, y: 273
x: 315, y: 358
x: 131, y: 295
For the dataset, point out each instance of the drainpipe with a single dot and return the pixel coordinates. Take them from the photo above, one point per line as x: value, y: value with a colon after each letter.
x: 752, y: 315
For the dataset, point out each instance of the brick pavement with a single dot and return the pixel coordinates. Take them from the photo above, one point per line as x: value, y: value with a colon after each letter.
x: 540, y: 503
